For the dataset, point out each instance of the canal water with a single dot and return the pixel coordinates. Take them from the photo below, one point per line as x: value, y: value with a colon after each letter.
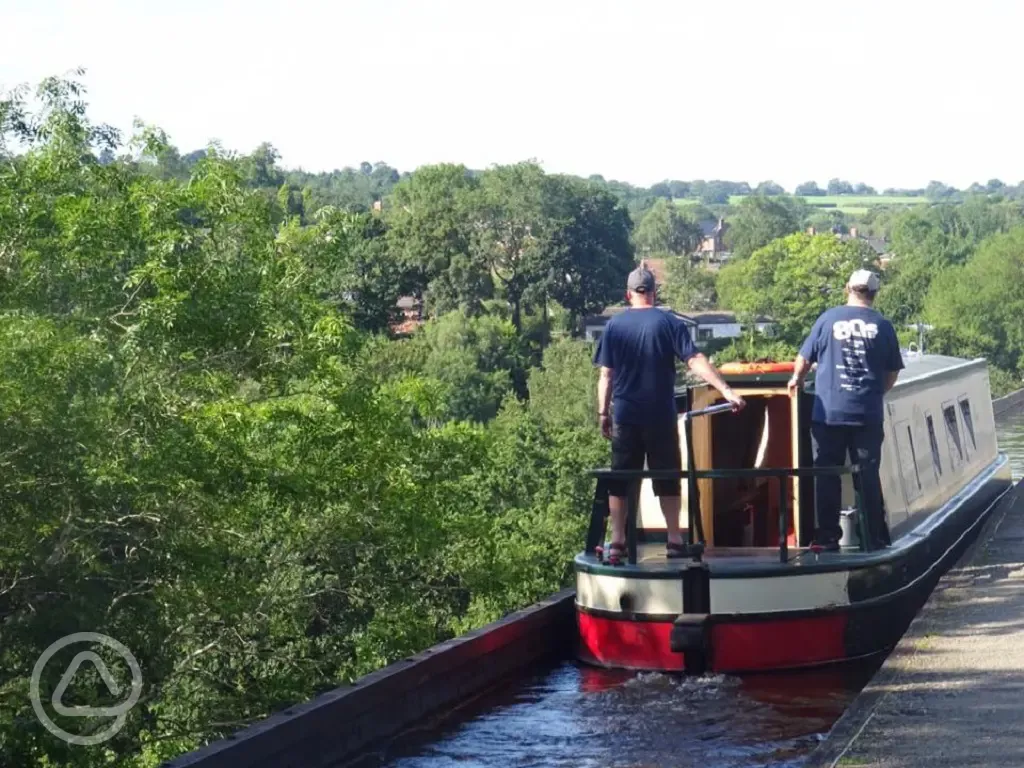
x: 573, y: 715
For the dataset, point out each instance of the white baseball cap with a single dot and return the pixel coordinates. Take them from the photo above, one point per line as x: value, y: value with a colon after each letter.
x: 864, y: 278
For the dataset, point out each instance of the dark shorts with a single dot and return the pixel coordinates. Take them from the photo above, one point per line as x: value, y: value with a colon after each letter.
x: 659, y: 444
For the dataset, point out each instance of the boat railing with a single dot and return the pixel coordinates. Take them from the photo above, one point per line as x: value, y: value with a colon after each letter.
x: 595, y: 533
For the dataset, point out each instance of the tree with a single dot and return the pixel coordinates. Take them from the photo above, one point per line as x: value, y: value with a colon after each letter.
x: 714, y: 194
x: 769, y: 188
x: 761, y: 219
x: 809, y: 189
x: 260, y: 167
x: 513, y: 233
x: 839, y: 187
x: 352, y: 189
x: 563, y: 389
x: 664, y: 229
x: 679, y: 189
x: 688, y: 286
x: 429, y: 216
x: 792, y: 280
x: 928, y: 240
x: 662, y: 190
x: 987, y: 319
x: 476, y: 359
x: 831, y: 220
x: 591, y: 252
x: 291, y: 201
x: 936, y: 190
x: 351, y: 265
x: 863, y: 189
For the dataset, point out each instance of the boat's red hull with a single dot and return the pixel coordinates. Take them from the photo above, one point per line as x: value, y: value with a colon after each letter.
x: 736, y: 646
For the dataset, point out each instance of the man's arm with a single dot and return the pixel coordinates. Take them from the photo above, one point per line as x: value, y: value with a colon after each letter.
x: 687, y: 351
x: 806, y: 357
x: 604, y: 396
x: 800, y: 368
x: 604, y: 390
x: 890, y: 379
x: 703, y: 368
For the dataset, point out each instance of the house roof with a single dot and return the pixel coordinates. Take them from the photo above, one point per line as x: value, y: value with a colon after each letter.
x: 721, y: 318
x: 407, y: 302
x: 708, y: 227
x: 712, y: 318
x: 878, y: 244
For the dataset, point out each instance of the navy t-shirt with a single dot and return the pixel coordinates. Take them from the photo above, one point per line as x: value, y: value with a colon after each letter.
x: 854, y: 348
x: 641, y: 347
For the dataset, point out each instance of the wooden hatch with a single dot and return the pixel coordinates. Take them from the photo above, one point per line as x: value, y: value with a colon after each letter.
x: 744, y: 512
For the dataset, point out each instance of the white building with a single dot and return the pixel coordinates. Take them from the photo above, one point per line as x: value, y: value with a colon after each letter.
x: 709, y: 326
x: 704, y: 326
x: 593, y: 325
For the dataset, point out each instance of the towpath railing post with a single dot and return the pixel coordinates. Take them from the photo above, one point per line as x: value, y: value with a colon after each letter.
x: 598, y: 517
x: 862, y: 518
x: 693, y: 521
x: 814, y: 496
x: 783, y: 520
x: 632, y: 510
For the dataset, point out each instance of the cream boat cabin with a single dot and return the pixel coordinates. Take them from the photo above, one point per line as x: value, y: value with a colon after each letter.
x: 753, y: 599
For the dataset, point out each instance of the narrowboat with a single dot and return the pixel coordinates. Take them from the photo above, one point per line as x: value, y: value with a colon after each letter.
x: 754, y: 595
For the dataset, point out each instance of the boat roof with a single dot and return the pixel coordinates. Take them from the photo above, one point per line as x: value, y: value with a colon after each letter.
x: 919, y: 366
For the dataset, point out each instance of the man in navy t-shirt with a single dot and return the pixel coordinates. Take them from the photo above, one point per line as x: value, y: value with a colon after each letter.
x: 858, y: 357
x: 637, y: 354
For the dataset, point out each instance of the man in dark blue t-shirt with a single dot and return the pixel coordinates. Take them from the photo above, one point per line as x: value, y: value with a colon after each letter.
x: 637, y: 354
x: 858, y: 357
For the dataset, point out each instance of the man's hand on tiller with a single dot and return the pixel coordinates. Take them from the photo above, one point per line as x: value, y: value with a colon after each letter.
x: 738, y: 403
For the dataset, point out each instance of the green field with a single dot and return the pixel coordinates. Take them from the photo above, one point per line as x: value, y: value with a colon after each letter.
x: 854, y: 204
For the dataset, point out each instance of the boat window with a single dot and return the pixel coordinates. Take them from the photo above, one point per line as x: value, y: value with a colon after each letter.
x: 965, y: 411
x: 913, y: 457
x: 936, y: 457
x: 956, y: 449
x: 907, y: 461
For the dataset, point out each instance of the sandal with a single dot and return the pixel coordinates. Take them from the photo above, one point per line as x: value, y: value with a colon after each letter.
x: 617, y: 553
x: 675, y: 550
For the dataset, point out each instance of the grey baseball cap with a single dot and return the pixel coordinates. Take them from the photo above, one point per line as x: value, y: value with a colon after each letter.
x: 864, y: 278
x: 641, y: 280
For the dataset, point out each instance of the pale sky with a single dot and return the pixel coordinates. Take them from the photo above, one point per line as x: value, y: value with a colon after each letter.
x: 889, y: 92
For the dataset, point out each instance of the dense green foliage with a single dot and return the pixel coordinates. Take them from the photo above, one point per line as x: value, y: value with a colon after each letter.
x: 667, y: 228
x: 761, y: 219
x: 988, y: 319
x: 937, y: 252
x: 933, y: 239
x: 792, y: 280
x: 689, y: 286
x: 209, y: 454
